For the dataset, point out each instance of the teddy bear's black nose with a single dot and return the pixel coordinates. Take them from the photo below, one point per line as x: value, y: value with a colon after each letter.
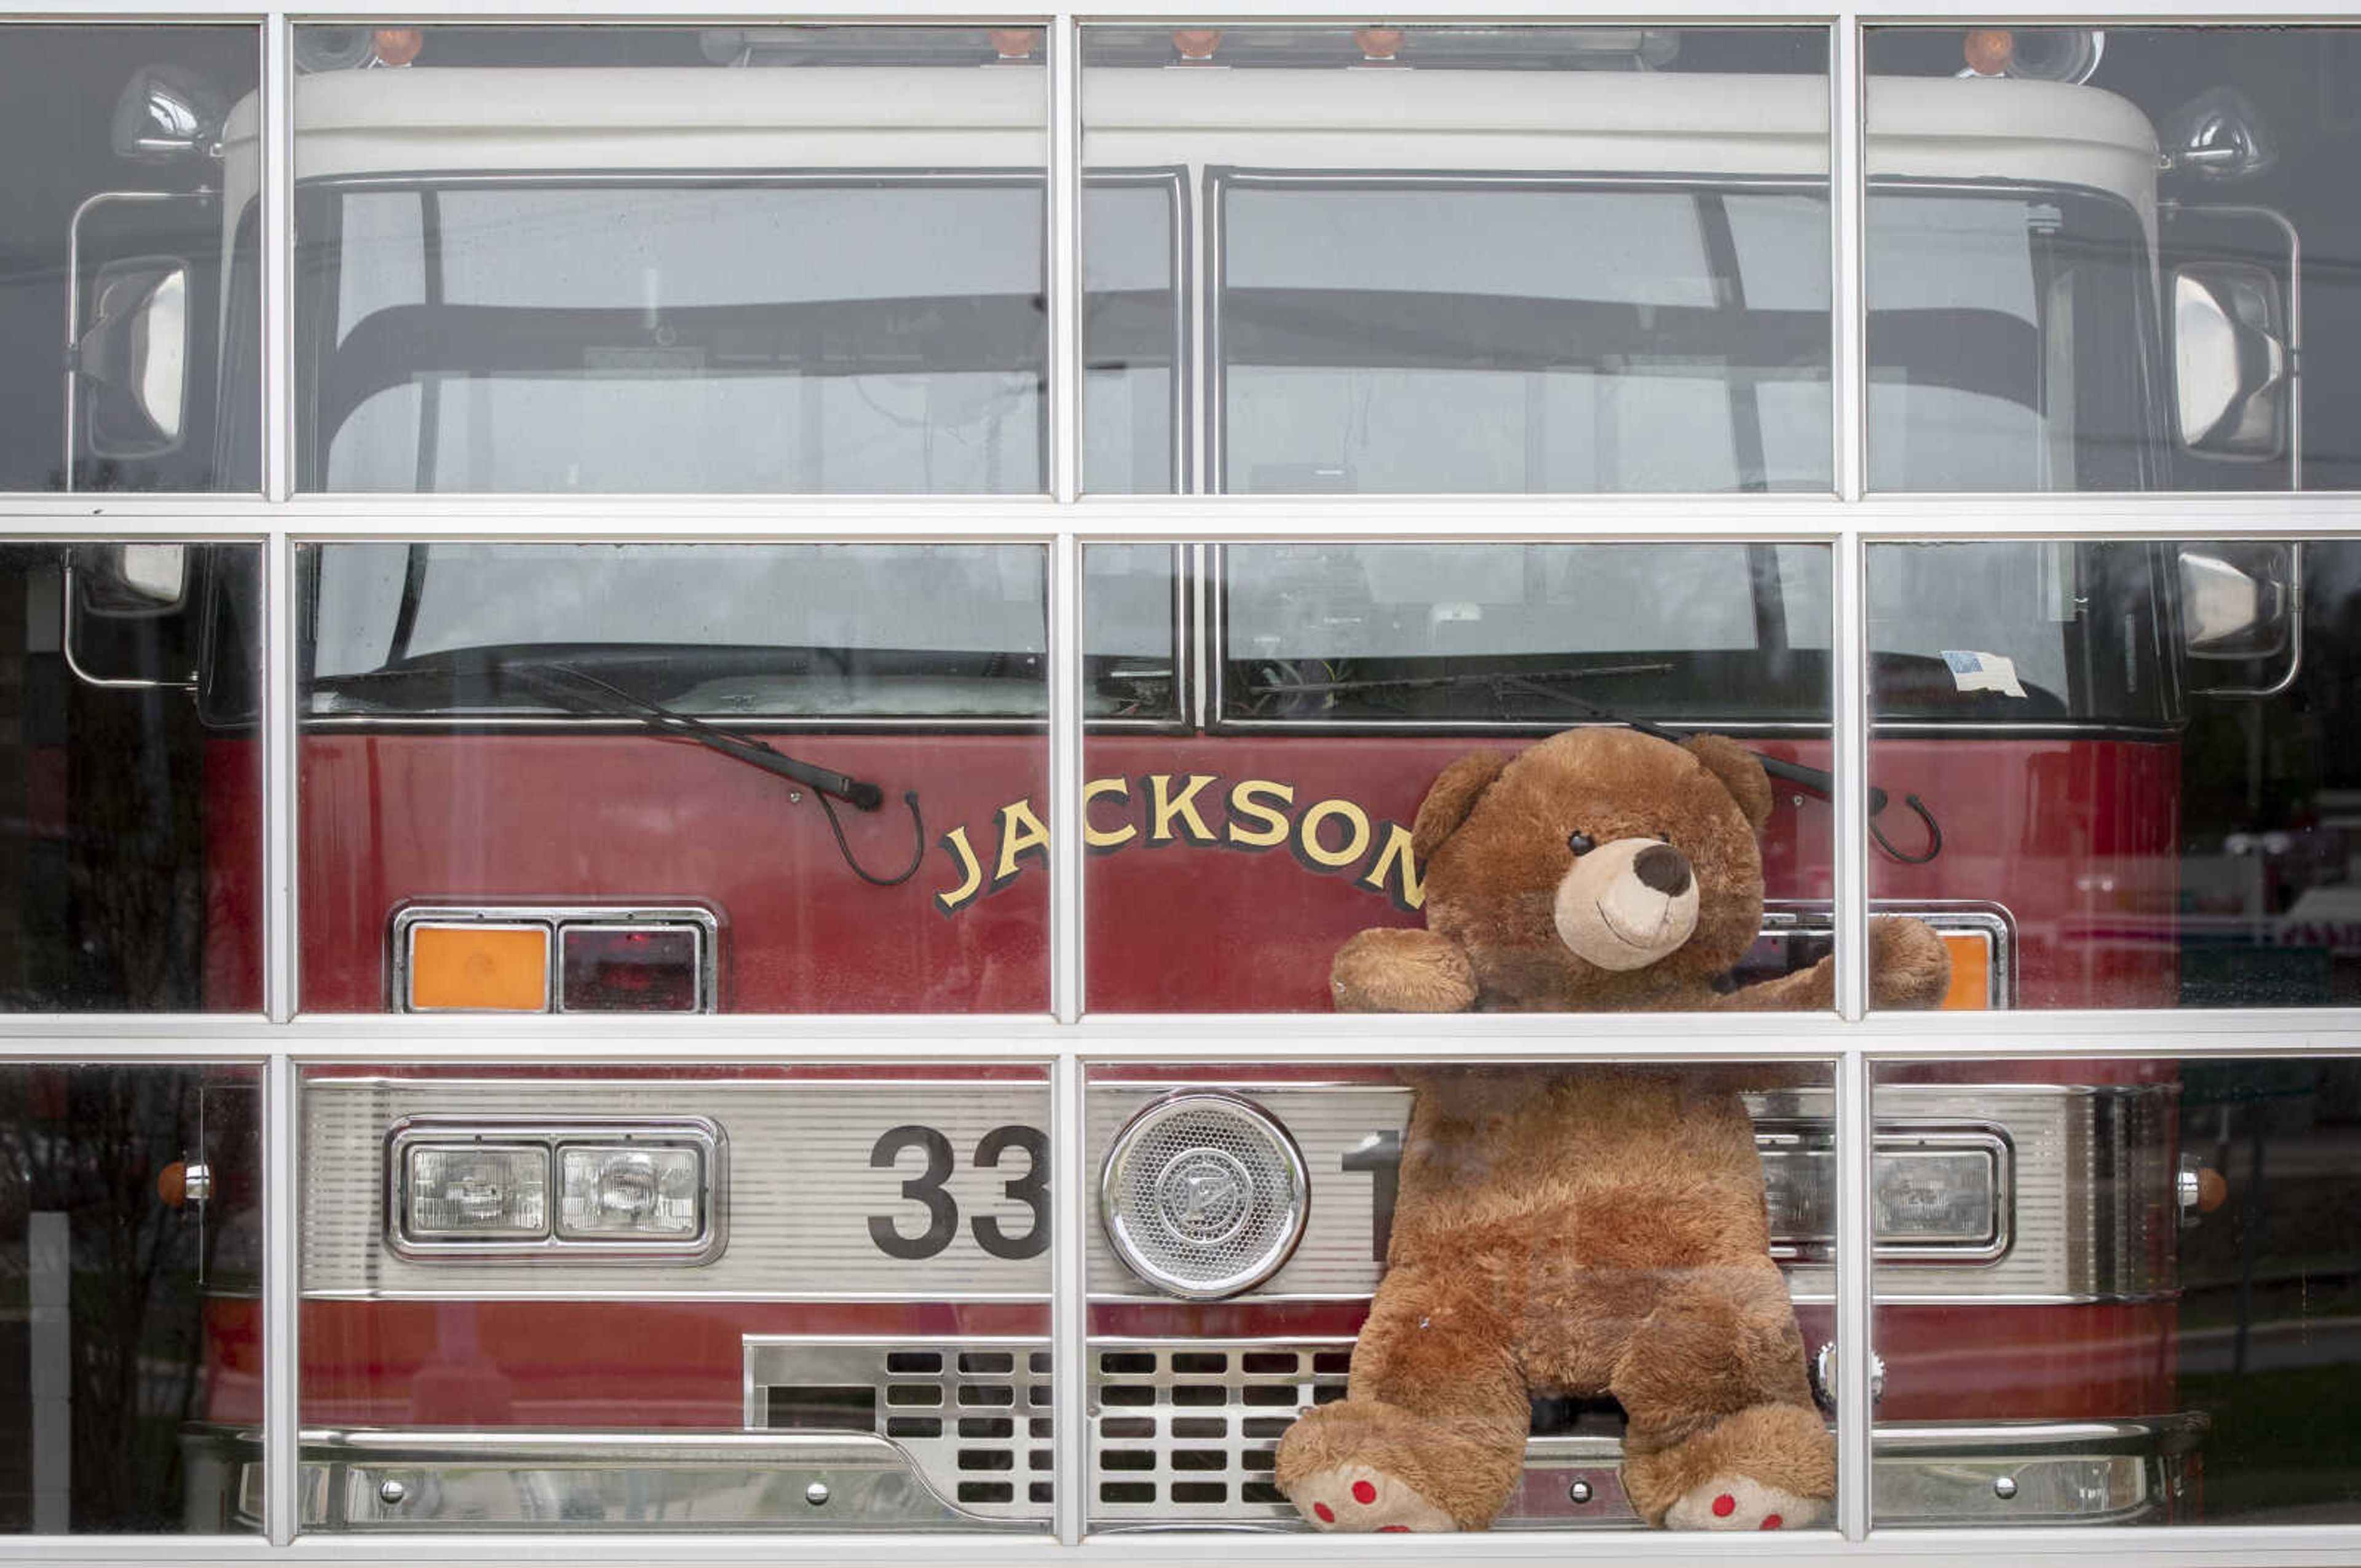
x: 1664, y: 868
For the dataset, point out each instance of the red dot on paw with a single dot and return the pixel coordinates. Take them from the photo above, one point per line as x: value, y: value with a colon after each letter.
x: 1724, y: 1505
x: 1327, y: 1515
x: 1363, y: 1493
x: 1771, y: 1521
x: 1393, y: 1530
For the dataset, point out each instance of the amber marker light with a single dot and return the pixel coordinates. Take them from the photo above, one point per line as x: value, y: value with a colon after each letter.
x: 480, y: 968
x: 396, y: 46
x: 1970, y: 971
x: 1988, y: 50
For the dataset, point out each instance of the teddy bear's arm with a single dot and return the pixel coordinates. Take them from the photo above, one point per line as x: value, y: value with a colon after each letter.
x: 1908, y: 968
x: 1402, y: 970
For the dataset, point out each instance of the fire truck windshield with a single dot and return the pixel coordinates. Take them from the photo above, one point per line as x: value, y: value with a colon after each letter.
x: 1519, y: 336
x: 1434, y: 333
x: 1990, y: 635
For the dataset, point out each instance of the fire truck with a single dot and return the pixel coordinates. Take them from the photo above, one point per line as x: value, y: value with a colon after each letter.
x: 811, y: 778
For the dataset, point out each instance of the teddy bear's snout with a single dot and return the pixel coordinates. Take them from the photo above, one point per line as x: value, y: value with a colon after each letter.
x: 1627, y: 903
x: 1662, y: 868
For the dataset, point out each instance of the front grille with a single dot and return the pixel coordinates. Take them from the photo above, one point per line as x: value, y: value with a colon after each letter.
x: 972, y: 1415
x: 1185, y: 1432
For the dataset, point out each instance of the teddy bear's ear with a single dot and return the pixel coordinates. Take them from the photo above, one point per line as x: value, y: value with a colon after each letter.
x: 1451, y: 799
x: 1740, y: 771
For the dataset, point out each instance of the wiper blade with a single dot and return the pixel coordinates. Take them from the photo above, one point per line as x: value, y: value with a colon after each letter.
x: 860, y: 793
x: 1536, y: 679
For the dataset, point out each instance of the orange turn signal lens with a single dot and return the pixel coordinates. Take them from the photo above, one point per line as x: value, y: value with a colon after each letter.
x: 1970, y: 971
x: 480, y: 968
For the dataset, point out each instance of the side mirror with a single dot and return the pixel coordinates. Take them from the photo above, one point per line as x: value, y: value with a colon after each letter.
x: 2232, y: 370
x: 131, y: 580
x: 165, y: 114
x: 2243, y: 603
x: 133, y: 360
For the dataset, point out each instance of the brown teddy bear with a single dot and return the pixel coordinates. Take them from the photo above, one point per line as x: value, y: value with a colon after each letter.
x: 1592, y: 1229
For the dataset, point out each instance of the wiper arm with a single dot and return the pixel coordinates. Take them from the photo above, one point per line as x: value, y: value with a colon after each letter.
x: 1535, y: 679
x: 861, y: 793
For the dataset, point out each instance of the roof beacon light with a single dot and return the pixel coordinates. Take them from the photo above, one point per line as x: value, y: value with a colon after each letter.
x: 1196, y: 44
x: 1014, y: 46
x: 396, y: 46
x: 2037, y: 54
x: 1380, y: 46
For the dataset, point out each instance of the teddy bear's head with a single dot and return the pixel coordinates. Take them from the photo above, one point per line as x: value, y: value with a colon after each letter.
x: 1600, y: 868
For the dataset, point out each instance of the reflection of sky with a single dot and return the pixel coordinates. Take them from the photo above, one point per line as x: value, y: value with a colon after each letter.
x: 945, y: 598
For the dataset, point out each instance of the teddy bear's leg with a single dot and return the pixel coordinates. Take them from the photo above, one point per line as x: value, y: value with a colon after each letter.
x: 1431, y: 1433
x: 1723, y: 1434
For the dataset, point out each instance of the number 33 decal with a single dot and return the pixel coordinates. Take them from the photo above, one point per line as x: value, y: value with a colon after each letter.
x: 1032, y: 1190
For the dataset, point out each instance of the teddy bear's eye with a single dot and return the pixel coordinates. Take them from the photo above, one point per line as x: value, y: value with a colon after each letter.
x: 1581, y: 843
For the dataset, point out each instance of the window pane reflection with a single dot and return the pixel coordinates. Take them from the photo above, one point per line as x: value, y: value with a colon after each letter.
x: 2111, y: 258
x: 2134, y: 756
x: 131, y: 1250
x: 2164, y: 1339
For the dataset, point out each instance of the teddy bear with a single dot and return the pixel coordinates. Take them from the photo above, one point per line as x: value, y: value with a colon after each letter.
x: 1592, y: 1229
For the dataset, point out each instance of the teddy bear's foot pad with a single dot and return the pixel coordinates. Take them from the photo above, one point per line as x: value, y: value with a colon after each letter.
x: 1353, y: 1498
x: 1739, y: 1502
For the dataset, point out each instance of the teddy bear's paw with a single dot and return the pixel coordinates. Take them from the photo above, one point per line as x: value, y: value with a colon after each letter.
x: 1741, y: 1502
x: 1356, y: 1499
x: 1909, y: 966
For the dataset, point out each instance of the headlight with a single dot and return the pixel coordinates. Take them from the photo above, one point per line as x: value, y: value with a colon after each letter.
x: 1936, y: 1194
x: 622, y: 1190
x: 476, y: 1191
x: 607, y: 1191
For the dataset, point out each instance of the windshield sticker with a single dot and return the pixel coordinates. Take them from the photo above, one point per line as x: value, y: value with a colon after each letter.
x: 1982, y: 672
x: 1158, y: 810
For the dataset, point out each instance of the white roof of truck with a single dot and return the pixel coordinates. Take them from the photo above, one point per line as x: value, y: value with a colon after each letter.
x: 423, y: 120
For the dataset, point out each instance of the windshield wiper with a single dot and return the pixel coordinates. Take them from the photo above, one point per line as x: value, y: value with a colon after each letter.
x: 1534, y: 679
x: 578, y: 691
x: 1820, y: 781
x: 860, y: 793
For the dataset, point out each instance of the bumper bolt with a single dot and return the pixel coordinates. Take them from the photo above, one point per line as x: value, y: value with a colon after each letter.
x: 817, y: 1494
x: 1579, y: 1492
x: 392, y: 1494
x: 2004, y: 1488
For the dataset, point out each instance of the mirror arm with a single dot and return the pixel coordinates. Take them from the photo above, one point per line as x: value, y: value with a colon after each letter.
x: 104, y: 683
x: 2295, y: 641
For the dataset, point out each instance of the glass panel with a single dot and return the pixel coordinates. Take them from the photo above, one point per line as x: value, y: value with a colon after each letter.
x: 1344, y: 682
x: 2151, y: 1322
x: 1452, y: 259
x: 2095, y: 256
x: 778, y: 764
x: 2132, y: 758
x: 1309, y: 1301
x: 664, y: 272
x: 119, y: 221
x: 809, y: 1297
x: 131, y: 1254
x: 130, y: 778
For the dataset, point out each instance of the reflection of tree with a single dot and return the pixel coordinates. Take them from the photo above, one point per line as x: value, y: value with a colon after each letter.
x: 136, y: 882
x: 89, y: 1142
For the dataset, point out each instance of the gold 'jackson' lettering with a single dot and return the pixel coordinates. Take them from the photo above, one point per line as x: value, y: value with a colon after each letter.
x: 1159, y: 810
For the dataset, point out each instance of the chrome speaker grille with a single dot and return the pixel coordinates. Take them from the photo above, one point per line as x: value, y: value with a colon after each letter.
x: 1187, y: 1433
x: 972, y: 1415
x: 1203, y: 1195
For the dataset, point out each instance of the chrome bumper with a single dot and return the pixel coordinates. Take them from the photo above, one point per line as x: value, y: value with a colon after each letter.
x: 2130, y: 1472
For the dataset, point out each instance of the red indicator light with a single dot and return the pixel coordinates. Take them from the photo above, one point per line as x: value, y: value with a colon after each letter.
x: 628, y: 968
